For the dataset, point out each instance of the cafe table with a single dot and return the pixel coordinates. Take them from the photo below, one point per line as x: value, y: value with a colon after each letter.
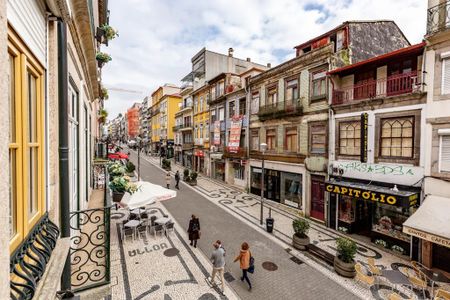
x: 434, y: 276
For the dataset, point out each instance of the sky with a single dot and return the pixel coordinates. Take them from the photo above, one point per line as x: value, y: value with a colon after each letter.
x: 158, y: 38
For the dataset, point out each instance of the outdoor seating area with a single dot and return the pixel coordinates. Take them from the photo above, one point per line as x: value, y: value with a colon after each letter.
x: 406, y: 282
x: 140, y: 224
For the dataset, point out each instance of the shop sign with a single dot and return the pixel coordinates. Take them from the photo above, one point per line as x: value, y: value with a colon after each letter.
x: 199, y: 153
x: 364, y: 133
x: 427, y: 236
x: 216, y: 155
x: 217, y: 133
x: 368, y: 195
x: 235, y: 134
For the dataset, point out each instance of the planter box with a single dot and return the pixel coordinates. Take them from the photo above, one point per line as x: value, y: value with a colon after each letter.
x: 343, y: 268
x: 192, y: 183
x: 300, y: 243
x: 117, y: 197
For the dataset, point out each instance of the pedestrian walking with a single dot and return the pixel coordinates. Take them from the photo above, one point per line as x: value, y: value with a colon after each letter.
x: 194, y: 230
x: 218, y: 260
x: 168, y: 180
x: 177, y: 179
x: 219, y: 242
x: 244, y: 261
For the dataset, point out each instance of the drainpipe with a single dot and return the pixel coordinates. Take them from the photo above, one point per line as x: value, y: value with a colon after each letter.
x: 63, y: 137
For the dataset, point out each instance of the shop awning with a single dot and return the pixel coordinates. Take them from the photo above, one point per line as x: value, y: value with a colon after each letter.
x: 373, y: 193
x: 431, y: 221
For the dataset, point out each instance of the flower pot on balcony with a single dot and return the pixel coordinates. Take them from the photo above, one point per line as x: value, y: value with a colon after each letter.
x: 117, y: 196
x: 346, y: 269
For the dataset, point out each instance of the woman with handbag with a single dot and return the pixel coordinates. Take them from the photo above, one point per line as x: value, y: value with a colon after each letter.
x: 246, y: 262
x: 194, y: 230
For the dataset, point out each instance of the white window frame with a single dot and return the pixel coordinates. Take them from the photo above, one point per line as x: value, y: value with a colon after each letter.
x: 445, y: 57
x: 442, y: 133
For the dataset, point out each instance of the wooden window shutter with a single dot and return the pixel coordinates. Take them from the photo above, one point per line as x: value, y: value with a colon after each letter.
x: 445, y: 153
x: 446, y: 76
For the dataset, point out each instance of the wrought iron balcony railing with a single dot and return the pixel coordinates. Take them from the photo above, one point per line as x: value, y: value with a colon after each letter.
x: 391, y: 86
x: 280, y: 109
x: 438, y: 18
x: 28, y: 262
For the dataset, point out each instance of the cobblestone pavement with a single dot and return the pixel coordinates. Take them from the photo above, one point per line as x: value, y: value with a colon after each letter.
x: 293, y: 278
x: 158, y: 267
x: 247, y: 208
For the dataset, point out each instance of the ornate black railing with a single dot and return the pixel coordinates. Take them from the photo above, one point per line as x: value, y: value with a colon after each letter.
x: 438, y: 18
x: 28, y: 262
x: 90, y: 248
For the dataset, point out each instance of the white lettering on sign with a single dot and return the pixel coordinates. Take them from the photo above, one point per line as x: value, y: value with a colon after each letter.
x: 390, y: 173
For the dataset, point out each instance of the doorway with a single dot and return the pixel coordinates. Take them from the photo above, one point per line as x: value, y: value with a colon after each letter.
x: 317, y: 197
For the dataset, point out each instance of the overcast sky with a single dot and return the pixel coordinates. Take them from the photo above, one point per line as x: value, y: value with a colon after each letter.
x: 157, y: 38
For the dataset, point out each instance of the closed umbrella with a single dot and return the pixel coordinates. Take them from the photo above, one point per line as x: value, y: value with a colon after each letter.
x: 147, y: 193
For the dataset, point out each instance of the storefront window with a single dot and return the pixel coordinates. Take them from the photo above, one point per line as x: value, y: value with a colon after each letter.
x: 388, y: 221
x: 347, y: 209
x: 291, y: 189
x: 238, y: 171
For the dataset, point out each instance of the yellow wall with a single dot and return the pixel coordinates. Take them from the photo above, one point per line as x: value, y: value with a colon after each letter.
x: 156, y: 99
x: 201, y: 116
x: 173, y: 105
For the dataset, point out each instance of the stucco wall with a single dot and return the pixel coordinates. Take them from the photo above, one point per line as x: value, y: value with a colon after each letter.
x: 4, y: 156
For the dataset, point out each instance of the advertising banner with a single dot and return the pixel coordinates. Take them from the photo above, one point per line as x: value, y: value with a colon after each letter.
x: 217, y: 133
x: 235, y: 134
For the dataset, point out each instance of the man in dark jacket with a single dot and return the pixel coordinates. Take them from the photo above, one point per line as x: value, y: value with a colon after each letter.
x: 177, y: 179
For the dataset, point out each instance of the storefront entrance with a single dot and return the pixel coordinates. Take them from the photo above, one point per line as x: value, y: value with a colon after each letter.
x: 218, y: 170
x: 271, y: 183
x: 317, y: 197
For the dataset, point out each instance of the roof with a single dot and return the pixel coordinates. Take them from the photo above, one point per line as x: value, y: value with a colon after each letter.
x: 414, y: 49
x: 344, y: 24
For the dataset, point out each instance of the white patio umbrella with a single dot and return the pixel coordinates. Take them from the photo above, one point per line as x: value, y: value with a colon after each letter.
x: 147, y: 193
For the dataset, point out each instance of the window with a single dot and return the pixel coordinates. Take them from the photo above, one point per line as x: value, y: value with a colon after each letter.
x: 446, y: 76
x: 291, y: 93
x: 350, y: 138
x: 397, y: 139
x: 255, y: 103
x: 213, y: 115
x: 242, y: 107
x: 201, y: 104
x: 239, y: 171
x: 221, y: 114
x: 26, y: 137
x: 254, y: 143
x: 272, y: 96
x: 220, y: 88
x: 318, y: 85
x: 291, y: 139
x: 201, y: 131
x: 317, y: 138
x: 231, y: 109
x: 271, y: 139
x: 444, y: 150
x: 207, y: 130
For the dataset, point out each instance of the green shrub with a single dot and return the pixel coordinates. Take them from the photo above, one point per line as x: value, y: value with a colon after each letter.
x: 193, y: 176
x: 130, y: 167
x: 122, y: 184
x: 346, y: 249
x: 301, y: 227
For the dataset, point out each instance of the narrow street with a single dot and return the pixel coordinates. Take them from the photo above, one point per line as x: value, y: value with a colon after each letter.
x: 288, y: 281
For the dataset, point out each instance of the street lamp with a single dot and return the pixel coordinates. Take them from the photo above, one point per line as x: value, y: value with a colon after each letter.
x: 139, y: 144
x: 263, y: 148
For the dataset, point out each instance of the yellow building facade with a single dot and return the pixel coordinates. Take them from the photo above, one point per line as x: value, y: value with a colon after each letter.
x: 201, y: 129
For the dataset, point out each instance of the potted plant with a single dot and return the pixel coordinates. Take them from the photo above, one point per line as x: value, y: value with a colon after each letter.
x: 102, y: 58
x: 116, y: 170
x: 120, y: 185
x: 300, y: 239
x: 130, y: 167
x: 398, y: 249
x: 186, y: 175
x: 104, y: 94
x: 193, y: 178
x: 344, y: 263
x: 109, y: 32
x: 102, y: 115
x: 166, y: 164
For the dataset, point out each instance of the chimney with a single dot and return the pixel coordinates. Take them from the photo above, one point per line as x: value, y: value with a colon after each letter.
x: 230, y: 52
x: 248, y: 59
x: 269, y: 65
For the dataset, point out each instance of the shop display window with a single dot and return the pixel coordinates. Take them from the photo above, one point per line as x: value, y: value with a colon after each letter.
x: 388, y: 221
x: 256, y: 179
x: 347, y: 209
x: 291, y: 189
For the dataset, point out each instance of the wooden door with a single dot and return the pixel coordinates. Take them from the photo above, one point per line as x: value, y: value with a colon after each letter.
x: 317, y: 197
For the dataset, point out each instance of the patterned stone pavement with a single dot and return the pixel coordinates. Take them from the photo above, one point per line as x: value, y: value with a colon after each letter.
x: 247, y: 208
x: 161, y: 267
x: 280, y: 274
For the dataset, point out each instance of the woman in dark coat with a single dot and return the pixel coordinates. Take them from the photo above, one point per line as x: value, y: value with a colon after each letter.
x: 194, y: 230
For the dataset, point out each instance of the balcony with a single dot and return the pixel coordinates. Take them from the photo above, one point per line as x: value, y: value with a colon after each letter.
x: 187, y: 146
x: 240, y: 153
x: 280, y: 109
x: 438, y: 18
x: 175, y: 128
x: 185, y: 127
x: 394, y: 85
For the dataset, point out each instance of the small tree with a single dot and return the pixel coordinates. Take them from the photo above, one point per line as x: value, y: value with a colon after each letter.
x: 186, y: 175
x: 346, y: 249
x: 130, y: 167
x: 301, y: 227
x: 193, y: 176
